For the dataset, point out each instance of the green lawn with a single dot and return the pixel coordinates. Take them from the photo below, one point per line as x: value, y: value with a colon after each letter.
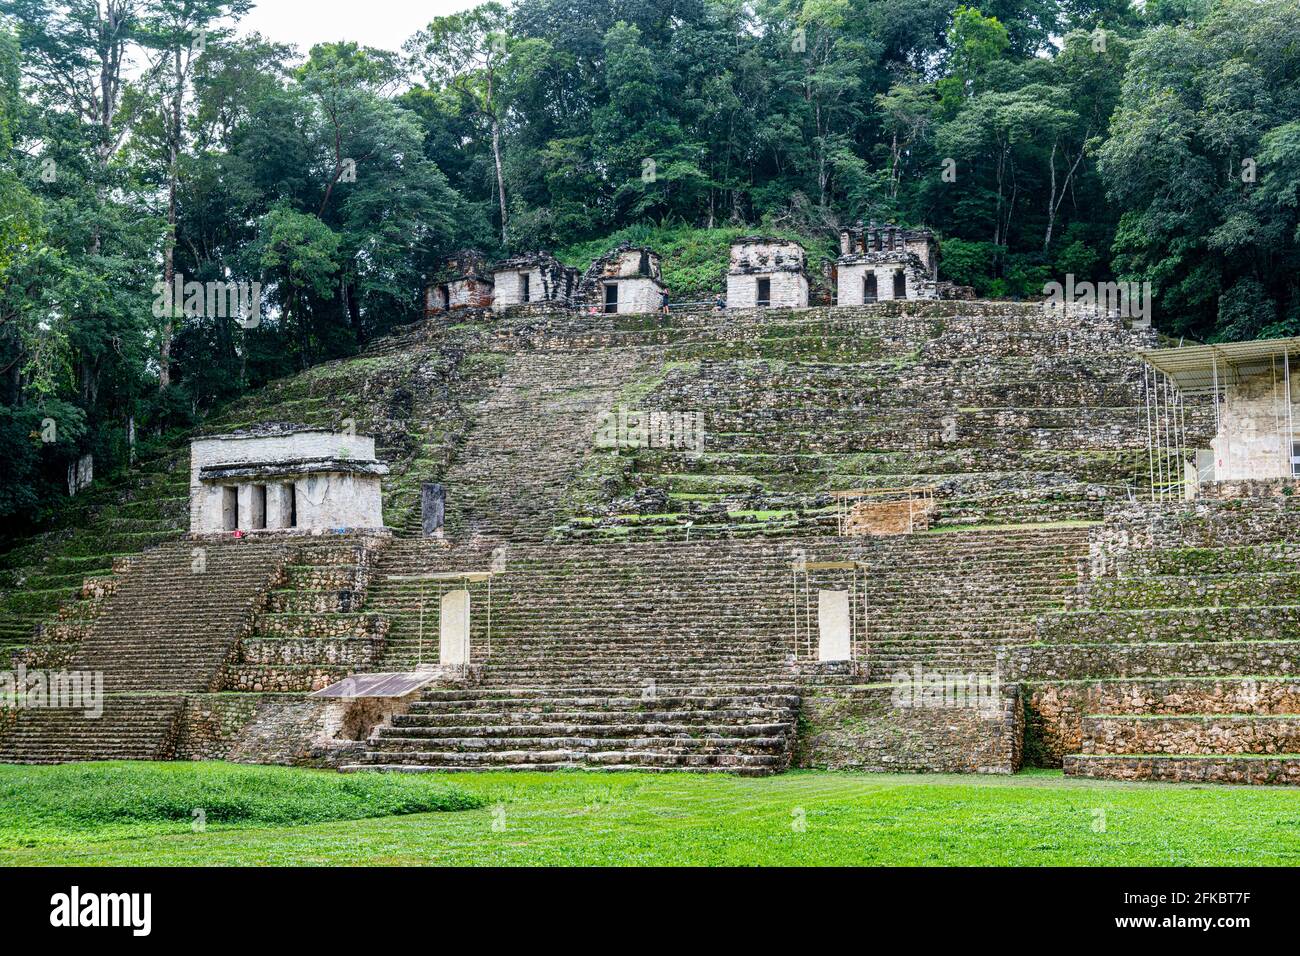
x: 66, y: 815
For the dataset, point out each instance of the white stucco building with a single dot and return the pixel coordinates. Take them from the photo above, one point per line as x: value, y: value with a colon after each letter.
x: 879, y: 263
x: 767, y: 272
x: 537, y: 278
x: 627, y: 279
x: 284, y: 478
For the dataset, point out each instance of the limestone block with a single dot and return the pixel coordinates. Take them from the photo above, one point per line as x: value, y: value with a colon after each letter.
x: 834, y: 641
x: 453, y: 639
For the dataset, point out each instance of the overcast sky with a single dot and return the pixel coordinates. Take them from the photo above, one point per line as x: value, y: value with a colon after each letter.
x: 379, y: 23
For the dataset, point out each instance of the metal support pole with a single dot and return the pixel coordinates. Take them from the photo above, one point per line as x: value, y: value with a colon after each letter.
x: 1290, y: 418
x: 1218, y: 427
x: 1175, y: 463
x: 419, y: 643
x: 1160, y: 440
x: 1147, y: 371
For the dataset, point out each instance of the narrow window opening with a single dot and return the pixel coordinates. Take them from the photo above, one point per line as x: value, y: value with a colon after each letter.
x: 764, y: 292
x: 230, y: 508
x: 257, y: 508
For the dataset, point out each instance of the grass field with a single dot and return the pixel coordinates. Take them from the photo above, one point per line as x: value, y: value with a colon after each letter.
x: 142, y: 814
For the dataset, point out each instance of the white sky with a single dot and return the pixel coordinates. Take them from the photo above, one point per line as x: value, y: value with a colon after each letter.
x: 386, y: 24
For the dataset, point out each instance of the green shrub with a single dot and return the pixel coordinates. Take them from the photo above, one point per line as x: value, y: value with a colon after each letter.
x: 76, y: 800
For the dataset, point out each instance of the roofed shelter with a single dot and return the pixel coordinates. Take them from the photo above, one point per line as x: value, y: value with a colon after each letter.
x: 1249, y: 386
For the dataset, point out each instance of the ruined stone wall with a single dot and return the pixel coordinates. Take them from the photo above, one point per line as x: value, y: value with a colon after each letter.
x: 851, y: 272
x: 549, y: 280
x: 781, y: 263
x: 859, y: 728
x: 1057, y: 710
x: 284, y: 729
x: 636, y: 271
x: 469, y: 293
x: 1252, y: 440
x: 788, y: 290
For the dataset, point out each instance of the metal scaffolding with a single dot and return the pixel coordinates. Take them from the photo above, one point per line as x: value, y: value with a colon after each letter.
x: 804, y: 645
x: 1174, y: 375
x: 458, y: 580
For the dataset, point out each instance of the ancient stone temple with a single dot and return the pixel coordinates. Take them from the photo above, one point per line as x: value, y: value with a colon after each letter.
x: 767, y: 272
x: 277, y: 478
x: 462, y: 283
x: 769, y: 594
x: 879, y: 263
x: 626, y: 279
x: 538, y: 278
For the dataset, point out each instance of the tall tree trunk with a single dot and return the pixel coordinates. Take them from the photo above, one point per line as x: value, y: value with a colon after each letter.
x: 1051, y: 204
x: 169, y: 248
x: 501, y: 182
x: 496, y: 157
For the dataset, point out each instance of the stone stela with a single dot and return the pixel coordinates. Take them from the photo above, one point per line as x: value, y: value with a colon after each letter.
x: 455, y: 650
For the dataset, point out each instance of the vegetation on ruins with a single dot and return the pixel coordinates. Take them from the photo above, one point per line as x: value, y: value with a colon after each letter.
x: 142, y: 140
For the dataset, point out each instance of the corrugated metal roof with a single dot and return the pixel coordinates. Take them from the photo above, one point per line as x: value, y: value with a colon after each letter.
x: 377, y: 685
x: 1194, y: 369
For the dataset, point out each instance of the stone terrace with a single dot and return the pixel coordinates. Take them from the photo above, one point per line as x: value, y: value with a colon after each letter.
x: 1026, y: 422
x: 579, y: 632
x: 1181, y: 660
x: 1011, y: 413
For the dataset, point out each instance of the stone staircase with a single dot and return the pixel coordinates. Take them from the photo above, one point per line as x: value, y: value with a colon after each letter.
x: 311, y: 631
x: 168, y: 627
x: 1181, y: 658
x: 745, y: 730
x: 668, y: 655
x: 113, y: 521
x: 528, y: 439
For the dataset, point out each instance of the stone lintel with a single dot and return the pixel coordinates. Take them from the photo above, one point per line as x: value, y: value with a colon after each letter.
x: 294, y: 468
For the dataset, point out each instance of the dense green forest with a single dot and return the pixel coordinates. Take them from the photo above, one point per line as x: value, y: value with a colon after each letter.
x: 145, y: 140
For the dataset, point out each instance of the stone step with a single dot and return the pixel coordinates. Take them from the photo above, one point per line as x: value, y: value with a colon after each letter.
x: 1223, y: 734
x: 1271, y: 770
x: 1037, y: 662
x: 1187, y: 590
x: 512, y: 720
x: 608, y: 699
x: 1173, y: 624
x: 676, y: 758
x: 566, y: 764
x: 127, y: 729
x: 394, y: 747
